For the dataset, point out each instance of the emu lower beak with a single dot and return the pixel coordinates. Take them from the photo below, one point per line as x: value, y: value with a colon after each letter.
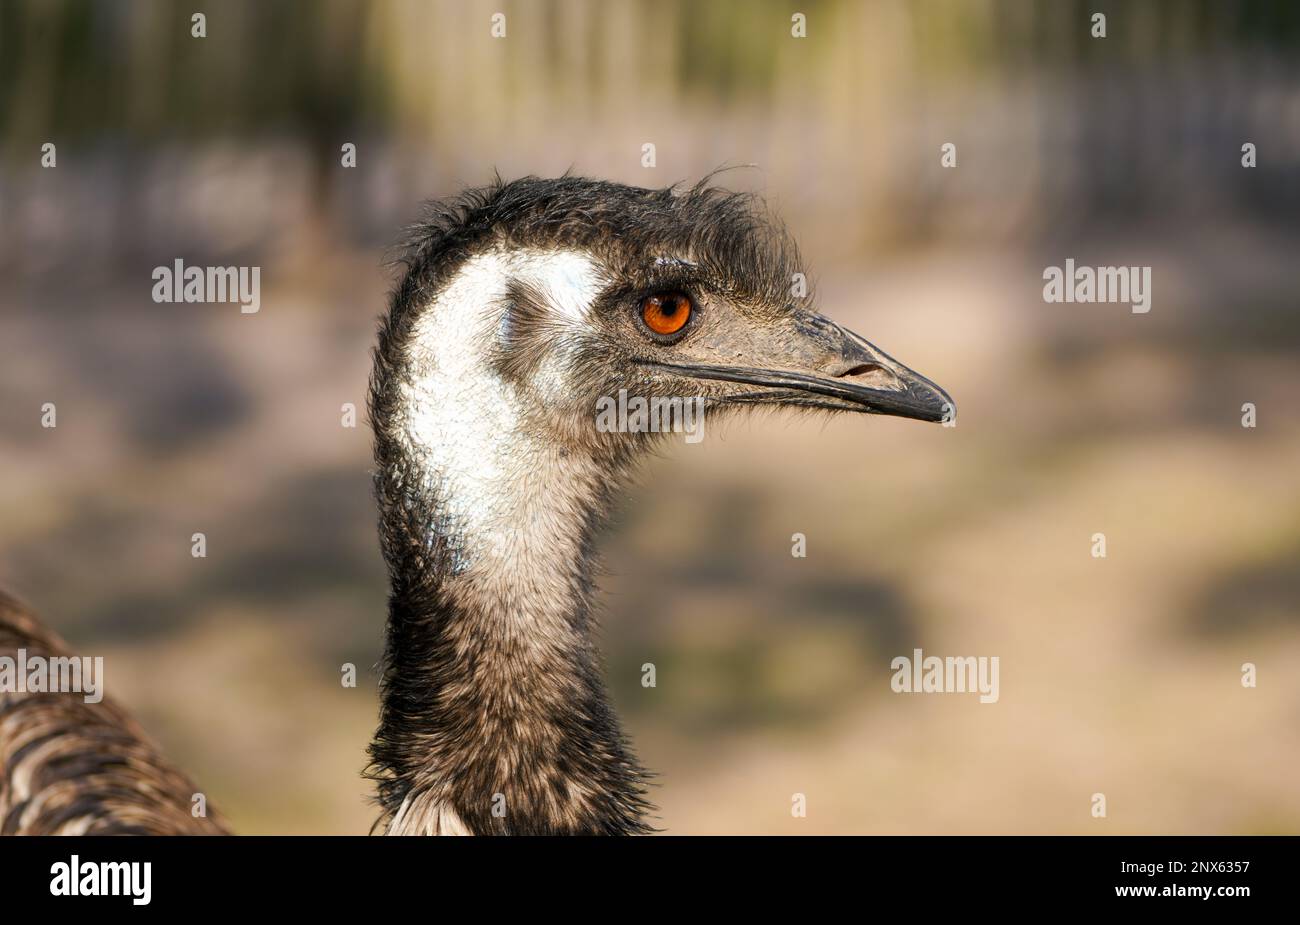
x: 826, y: 366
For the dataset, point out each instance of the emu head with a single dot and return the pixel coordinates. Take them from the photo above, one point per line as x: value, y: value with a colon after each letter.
x: 523, y: 307
x: 527, y: 303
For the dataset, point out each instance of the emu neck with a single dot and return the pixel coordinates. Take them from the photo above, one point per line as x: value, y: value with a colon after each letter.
x: 494, y: 716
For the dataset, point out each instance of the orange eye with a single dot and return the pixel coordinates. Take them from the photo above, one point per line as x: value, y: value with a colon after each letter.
x: 666, y: 313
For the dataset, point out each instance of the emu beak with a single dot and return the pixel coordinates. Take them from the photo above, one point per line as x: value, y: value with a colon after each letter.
x: 823, y: 365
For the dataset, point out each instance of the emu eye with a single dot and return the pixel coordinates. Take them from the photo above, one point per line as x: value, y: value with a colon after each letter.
x: 666, y: 313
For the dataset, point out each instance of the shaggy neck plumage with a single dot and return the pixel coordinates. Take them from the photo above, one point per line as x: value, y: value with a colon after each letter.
x: 494, y: 717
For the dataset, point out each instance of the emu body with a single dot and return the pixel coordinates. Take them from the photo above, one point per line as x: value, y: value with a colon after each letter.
x: 522, y: 306
x: 72, y: 767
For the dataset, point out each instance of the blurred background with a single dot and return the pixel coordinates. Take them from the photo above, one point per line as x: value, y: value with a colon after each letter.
x: 1118, y: 675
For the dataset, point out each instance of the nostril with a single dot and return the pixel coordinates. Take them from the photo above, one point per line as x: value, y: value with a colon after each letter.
x: 871, y: 375
x: 860, y: 370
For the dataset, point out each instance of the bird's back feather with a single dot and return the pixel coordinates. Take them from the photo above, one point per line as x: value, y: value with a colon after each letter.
x: 68, y: 767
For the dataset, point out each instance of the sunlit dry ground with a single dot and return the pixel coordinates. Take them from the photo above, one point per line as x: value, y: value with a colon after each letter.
x: 1118, y: 676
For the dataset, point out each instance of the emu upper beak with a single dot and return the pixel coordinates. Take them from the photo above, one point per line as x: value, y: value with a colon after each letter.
x: 823, y: 365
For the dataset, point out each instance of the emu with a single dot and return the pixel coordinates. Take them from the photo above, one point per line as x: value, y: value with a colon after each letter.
x: 521, y: 307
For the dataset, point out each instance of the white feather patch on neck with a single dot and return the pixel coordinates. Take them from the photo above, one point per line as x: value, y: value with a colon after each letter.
x: 425, y: 817
x: 503, y: 491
